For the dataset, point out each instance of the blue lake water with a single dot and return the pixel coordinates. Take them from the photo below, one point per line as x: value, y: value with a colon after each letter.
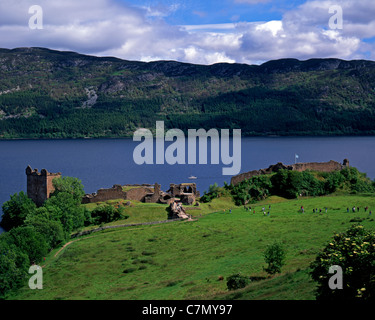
x: 104, y: 162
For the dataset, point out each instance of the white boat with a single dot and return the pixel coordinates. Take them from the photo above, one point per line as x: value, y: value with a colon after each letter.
x: 192, y: 177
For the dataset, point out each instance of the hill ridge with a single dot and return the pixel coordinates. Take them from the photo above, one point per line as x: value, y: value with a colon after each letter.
x: 44, y: 94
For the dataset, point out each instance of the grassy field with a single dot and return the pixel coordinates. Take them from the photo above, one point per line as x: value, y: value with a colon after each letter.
x: 186, y: 260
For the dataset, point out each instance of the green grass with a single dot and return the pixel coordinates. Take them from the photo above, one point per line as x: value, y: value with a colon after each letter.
x: 186, y: 260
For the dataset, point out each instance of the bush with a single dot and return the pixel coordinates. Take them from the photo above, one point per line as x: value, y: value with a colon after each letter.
x: 16, y: 209
x: 51, y: 229
x: 237, y: 281
x: 29, y: 241
x: 274, y: 255
x: 254, y: 189
x: 106, y: 214
x: 14, y: 265
x: 69, y: 185
x: 354, y: 252
x: 213, y: 192
x: 65, y: 208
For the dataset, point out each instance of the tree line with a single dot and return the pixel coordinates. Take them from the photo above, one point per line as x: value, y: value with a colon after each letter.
x: 256, y: 111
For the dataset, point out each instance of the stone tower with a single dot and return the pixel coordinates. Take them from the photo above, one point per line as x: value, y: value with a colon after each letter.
x: 39, y: 184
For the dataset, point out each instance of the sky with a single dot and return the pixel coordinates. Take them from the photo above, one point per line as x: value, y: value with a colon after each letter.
x: 201, y: 32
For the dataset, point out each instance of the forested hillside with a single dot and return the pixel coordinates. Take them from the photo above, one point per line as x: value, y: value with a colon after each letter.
x: 52, y: 94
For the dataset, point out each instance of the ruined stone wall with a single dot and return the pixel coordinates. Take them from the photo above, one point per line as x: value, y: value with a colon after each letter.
x: 144, y: 193
x: 155, y: 196
x: 244, y: 176
x: 109, y: 194
x: 178, y: 190
x: 138, y: 193
x: 102, y: 195
x: 314, y: 166
x: 318, y: 166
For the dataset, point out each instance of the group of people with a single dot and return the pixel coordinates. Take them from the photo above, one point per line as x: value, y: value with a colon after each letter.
x: 315, y: 210
x: 263, y: 210
x: 356, y: 209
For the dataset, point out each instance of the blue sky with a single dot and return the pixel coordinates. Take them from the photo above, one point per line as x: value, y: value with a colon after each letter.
x: 193, y: 12
x: 203, y: 32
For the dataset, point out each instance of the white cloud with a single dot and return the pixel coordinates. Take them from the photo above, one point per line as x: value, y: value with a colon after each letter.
x: 274, y: 27
x: 107, y: 27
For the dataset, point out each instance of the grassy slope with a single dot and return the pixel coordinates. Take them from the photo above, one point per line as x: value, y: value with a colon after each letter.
x: 183, y: 260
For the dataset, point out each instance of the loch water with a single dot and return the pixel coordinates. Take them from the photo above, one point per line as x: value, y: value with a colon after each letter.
x: 101, y: 163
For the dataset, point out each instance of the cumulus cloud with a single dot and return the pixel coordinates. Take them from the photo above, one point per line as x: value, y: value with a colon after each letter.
x: 109, y: 27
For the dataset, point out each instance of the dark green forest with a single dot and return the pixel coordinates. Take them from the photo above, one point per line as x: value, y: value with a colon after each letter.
x: 52, y: 94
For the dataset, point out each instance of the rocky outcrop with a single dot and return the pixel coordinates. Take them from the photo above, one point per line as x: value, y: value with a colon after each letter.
x: 177, y: 211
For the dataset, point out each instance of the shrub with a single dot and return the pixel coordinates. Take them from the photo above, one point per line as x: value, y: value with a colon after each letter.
x: 29, y: 241
x: 274, y: 255
x: 354, y: 252
x: 237, y: 281
x: 64, y: 207
x: 14, y: 265
x: 106, y: 214
x: 214, y: 191
x: 16, y: 210
x: 69, y: 185
x: 51, y: 230
x: 254, y: 189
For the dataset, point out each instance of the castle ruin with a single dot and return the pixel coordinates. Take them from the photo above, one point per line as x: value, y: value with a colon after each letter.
x: 40, y: 188
x: 185, y: 192
x: 39, y: 184
x: 313, y: 166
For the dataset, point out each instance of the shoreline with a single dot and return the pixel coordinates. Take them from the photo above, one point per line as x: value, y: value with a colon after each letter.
x: 322, y: 135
